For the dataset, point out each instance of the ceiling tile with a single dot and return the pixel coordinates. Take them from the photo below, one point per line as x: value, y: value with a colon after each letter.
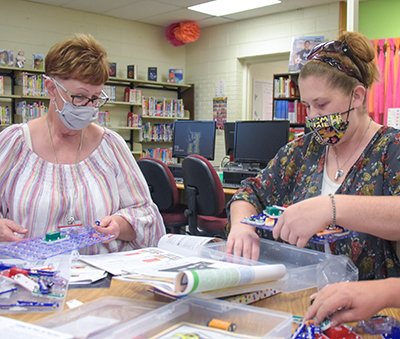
x: 183, y: 3
x: 267, y: 10
x: 96, y: 6
x: 182, y: 15
x: 211, y: 21
x: 141, y: 9
x: 165, y: 12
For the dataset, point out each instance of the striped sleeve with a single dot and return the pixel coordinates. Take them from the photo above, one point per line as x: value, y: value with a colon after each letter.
x: 10, y: 147
x: 136, y: 205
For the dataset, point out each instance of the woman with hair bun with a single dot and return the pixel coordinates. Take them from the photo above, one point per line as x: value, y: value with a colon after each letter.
x: 345, y: 172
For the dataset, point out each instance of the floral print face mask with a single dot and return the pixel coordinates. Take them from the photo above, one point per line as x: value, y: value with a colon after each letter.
x: 329, y: 129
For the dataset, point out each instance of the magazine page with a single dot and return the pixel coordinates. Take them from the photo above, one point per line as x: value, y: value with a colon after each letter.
x: 187, y: 245
x: 194, y: 275
x: 129, y: 261
x: 171, y: 247
x: 212, y: 279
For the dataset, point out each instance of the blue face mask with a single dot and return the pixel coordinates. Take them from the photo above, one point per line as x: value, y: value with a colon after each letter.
x: 76, y: 117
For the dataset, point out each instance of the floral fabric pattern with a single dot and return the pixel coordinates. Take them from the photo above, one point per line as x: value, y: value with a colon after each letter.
x: 296, y: 173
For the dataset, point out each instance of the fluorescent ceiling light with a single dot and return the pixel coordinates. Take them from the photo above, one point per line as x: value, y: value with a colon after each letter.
x: 226, y: 7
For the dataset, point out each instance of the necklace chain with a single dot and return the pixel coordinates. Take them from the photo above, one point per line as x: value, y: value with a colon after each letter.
x: 70, y: 220
x: 52, y: 144
x: 339, y: 171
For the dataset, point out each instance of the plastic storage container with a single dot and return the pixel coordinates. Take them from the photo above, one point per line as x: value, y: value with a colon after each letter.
x: 191, y: 315
x: 40, y: 291
x: 301, y: 263
x: 98, y: 316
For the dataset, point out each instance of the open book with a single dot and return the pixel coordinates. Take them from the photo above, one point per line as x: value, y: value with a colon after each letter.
x: 177, y: 269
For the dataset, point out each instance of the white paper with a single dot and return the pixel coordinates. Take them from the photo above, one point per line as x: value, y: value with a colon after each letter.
x: 127, y: 262
x: 194, y: 275
x: 171, y: 247
x: 185, y: 245
x: 83, y: 273
x: 21, y: 330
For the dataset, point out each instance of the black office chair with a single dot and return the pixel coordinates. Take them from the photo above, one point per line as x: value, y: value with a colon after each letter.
x: 205, y: 197
x: 164, y: 193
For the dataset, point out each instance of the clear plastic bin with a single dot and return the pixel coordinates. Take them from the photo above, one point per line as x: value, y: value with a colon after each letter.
x: 98, y: 316
x: 23, y: 300
x: 301, y: 263
x: 251, y: 322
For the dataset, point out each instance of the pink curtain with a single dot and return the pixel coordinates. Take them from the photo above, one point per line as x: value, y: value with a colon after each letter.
x: 379, y: 95
x: 371, y: 90
x: 397, y: 75
x: 385, y: 94
x: 396, y: 60
x: 389, y: 78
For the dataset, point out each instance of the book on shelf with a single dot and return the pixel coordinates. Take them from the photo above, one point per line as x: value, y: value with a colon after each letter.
x: 181, y: 265
x: 281, y: 109
x: 152, y: 106
x: 1, y: 85
x: 131, y: 72
x: 175, y: 76
x: 38, y: 61
x: 110, y: 91
x: 152, y: 73
x: 4, y: 115
x: 20, y: 59
x: 286, y: 87
x: 133, y: 120
x: 132, y: 95
x: 6, y: 58
x: 112, y: 71
x: 294, y: 111
x: 30, y: 84
x: 301, y: 112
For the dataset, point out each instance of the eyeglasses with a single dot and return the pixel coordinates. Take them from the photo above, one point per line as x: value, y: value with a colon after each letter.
x: 336, y: 47
x: 81, y: 100
x: 335, y: 63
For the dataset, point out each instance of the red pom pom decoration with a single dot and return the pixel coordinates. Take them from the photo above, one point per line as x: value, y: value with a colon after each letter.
x: 187, y: 32
x: 169, y: 33
x: 180, y: 34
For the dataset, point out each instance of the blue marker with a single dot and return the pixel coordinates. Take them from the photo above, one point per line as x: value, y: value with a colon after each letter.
x: 310, y: 331
x: 97, y: 223
x: 9, y: 290
x: 299, y: 331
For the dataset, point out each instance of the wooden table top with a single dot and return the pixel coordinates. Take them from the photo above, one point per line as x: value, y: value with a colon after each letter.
x: 295, y: 303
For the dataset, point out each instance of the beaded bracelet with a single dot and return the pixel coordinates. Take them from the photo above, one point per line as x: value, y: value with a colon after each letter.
x: 333, y: 224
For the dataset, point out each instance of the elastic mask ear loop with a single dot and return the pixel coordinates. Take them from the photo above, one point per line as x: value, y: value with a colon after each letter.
x: 350, y: 109
x: 55, y: 103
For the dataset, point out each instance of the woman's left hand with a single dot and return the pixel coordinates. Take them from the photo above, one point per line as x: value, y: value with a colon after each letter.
x: 118, y: 226
x: 351, y: 301
x: 299, y: 222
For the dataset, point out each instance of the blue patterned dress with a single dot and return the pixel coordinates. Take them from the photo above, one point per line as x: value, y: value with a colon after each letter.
x: 296, y: 173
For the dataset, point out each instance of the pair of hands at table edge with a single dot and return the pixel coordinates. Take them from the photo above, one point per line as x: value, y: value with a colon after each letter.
x: 353, y: 301
x: 115, y: 225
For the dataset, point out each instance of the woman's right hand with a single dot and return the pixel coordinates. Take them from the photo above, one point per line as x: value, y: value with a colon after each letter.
x: 7, y: 230
x: 243, y: 241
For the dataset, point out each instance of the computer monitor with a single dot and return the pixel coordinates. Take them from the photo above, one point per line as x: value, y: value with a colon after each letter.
x: 229, y: 131
x: 257, y: 142
x: 194, y: 137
